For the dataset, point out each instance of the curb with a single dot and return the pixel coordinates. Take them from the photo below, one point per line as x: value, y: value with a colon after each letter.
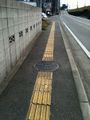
x: 83, y: 100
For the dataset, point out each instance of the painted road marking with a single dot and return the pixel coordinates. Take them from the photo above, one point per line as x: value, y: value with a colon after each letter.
x: 78, y: 41
x: 40, y: 103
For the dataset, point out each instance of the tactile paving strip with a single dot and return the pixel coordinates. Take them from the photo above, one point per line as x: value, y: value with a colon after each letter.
x: 42, y: 89
x: 41, y: 98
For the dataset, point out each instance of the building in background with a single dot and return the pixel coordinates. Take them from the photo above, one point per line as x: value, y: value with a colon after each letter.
x: 55, y: 6
x: 52, y: 6
x: 47, y: 6
x: 37, y: 3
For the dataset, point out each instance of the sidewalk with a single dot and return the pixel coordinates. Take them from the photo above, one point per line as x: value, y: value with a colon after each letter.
x: 37, y: 93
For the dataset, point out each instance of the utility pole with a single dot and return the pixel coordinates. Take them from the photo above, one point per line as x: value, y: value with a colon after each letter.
x: 85, y: 3
x: 41, y: 3
x: 77, y: 3
x: 59, y: 5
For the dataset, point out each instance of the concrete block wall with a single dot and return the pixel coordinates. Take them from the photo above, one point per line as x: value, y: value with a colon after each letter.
x: 19, y: 24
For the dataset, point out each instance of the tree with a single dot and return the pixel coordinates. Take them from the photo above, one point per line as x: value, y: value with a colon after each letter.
x: 64, y: 6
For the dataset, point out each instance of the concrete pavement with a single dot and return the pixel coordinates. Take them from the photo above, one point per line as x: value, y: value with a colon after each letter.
x: 16, y: 100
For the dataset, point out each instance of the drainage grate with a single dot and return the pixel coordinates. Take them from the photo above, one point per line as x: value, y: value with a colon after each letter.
x: 46, y: 66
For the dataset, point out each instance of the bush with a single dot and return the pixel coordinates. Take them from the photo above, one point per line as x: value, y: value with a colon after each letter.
x: 84, y: 12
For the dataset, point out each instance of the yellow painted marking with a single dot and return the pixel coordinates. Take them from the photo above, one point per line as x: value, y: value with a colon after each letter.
x: 41, y: 98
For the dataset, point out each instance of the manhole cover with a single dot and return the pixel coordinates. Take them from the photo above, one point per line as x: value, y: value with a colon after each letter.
x: 46, y: 66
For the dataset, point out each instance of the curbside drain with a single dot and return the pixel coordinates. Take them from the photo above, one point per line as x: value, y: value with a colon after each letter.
x: 46, y: 66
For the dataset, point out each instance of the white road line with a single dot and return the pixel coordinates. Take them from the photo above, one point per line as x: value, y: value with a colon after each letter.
x: 78, y: 41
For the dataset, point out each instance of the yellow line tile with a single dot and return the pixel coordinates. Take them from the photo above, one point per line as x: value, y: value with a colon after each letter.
x: 38, y: 113
x: 48, y: 113
x: 43, y: 113
x: 44, y: 101
x: 41, y: 97
x: 38, y: 84
x: 49, y: 99
x: 35, y: 97
x: 32, y: 112
x: 50, y: 44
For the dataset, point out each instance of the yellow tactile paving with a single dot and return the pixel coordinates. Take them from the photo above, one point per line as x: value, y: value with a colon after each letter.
x: 43, y: 113
x: 50, y: 45
x: 42, y: 89
x: 32, y: 112
x: 35, y: 97
x: 37, y: 113
x: 49, y: 98
x: 47, y: 112
x: 47, y: 75
x: 41, y: 98
x: 43, y: 82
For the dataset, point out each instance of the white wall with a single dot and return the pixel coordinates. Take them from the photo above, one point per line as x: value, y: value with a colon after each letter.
x: 16, y: 20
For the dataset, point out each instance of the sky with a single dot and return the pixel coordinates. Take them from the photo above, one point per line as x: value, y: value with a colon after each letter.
x: 73, y: 3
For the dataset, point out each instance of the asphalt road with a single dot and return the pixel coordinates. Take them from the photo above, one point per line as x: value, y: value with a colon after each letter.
x: 79, y: 26
x: 81, y: 29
